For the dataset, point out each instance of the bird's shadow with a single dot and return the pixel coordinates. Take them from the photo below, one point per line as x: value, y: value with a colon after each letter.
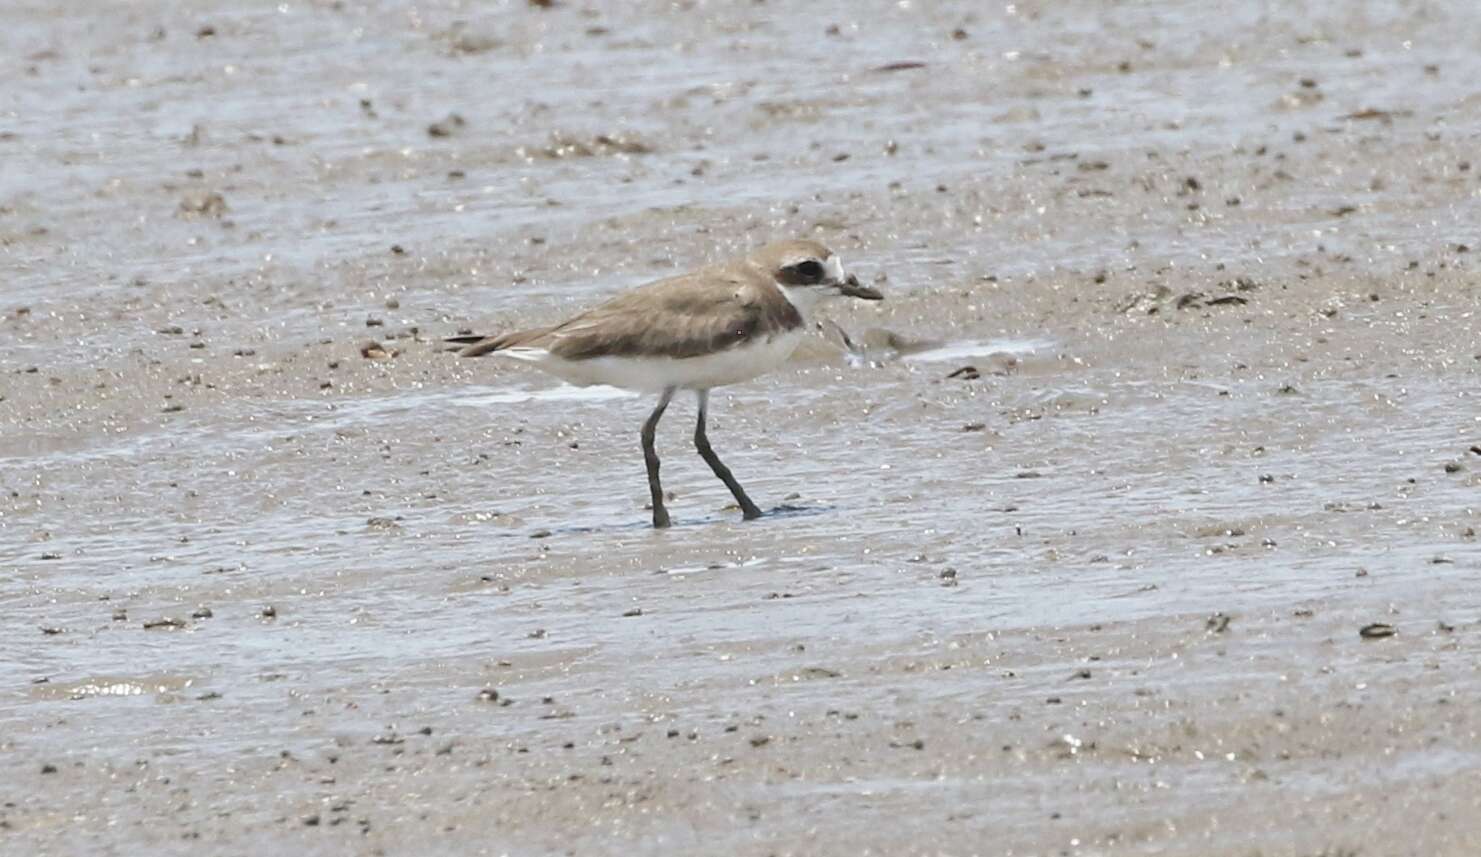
x: 784, y: 511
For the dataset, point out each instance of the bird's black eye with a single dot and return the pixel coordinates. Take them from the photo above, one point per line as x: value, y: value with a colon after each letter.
x: 809, y: 271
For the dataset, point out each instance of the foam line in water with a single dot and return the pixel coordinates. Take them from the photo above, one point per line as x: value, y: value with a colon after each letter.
x: 959, y: 350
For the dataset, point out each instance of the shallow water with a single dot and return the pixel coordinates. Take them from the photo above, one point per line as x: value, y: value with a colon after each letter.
x: 1223, y: 336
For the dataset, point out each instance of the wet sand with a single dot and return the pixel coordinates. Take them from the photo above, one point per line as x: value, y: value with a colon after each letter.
x: 267, y: 587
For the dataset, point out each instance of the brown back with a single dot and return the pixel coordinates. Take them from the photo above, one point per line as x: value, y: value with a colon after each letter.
x: 690, y: 315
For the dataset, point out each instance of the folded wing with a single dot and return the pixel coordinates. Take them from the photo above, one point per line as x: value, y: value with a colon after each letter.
x: 686, y: 316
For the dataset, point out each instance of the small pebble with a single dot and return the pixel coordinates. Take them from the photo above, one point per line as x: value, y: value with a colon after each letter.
x: 166, y: 622
x: 446, y: 127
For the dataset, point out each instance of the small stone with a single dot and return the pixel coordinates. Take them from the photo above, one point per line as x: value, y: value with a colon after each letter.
x: 446, y: 127
x: 269, y: 612
x: 1377, y: 631
x: 372, y: 350
x: 636, y: 611
x: 164, y: 622
x: 818, y: 672
x: 202, y: 613
x: 203, y: 204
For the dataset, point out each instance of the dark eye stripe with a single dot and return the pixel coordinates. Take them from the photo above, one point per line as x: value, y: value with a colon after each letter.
x: 805, y: 273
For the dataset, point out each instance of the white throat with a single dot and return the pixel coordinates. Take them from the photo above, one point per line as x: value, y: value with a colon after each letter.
x: 804, y: 298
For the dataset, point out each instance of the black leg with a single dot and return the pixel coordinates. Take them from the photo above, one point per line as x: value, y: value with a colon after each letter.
x: 650, y: 457
x: 702, y: 443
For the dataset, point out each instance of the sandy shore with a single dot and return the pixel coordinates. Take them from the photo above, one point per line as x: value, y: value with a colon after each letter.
x: 1185, y: 564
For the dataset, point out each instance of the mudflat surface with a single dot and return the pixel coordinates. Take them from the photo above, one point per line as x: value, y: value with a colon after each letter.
x: 266, y: 588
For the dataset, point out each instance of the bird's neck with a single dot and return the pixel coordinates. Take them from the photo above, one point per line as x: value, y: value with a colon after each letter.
x: 802, y: 298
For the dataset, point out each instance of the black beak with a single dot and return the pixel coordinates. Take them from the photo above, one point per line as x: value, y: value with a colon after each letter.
x: 853, y: 289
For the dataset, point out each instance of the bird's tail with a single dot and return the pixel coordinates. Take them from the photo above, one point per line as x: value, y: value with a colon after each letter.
x: 475, y: 345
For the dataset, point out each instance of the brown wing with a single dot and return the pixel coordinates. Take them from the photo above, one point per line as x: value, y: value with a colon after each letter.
x: 684, y: 316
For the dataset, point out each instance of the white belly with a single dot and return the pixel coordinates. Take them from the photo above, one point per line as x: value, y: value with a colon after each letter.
x: 731, y: 366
